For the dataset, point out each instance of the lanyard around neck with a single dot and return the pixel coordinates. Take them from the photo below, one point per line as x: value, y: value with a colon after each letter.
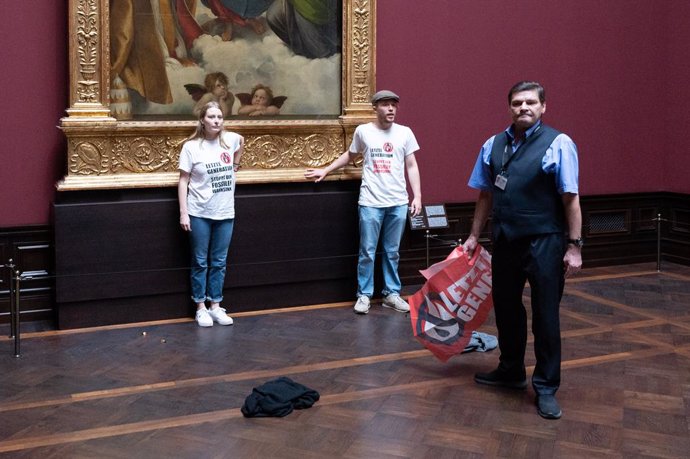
x: 507, y: 158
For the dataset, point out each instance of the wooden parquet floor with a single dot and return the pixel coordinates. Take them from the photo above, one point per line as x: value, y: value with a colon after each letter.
x: 173, y: 390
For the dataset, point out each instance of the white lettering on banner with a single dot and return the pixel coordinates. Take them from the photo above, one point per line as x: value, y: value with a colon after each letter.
x: 437, y: 310
x: 463, y: 283
x: 450, y: 335
x: 442, y: 315
x: 450, y: 305
x: 465, y: 295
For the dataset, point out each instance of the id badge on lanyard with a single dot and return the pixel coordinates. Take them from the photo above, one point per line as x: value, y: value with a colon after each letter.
x: 501, y: 181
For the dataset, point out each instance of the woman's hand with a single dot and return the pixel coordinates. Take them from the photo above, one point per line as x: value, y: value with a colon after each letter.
x: 185, y: 223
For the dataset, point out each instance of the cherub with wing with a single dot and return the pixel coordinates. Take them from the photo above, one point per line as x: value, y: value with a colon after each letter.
x: 260, y: 102
x: 215, y: 89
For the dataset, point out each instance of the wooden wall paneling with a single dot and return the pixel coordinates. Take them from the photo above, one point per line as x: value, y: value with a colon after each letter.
x: 293, y: 244
x: 647, y: 218
x: 680, y: 222
x: 615, y: 230
x: 31, y: 250
x: 4, y: 281
x: 121, y: 257
x: 676, y: 237
x: 618, y: 229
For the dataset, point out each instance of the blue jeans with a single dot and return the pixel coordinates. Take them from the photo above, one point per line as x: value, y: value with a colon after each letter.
x: 210, y: 241
x: 389, y: 222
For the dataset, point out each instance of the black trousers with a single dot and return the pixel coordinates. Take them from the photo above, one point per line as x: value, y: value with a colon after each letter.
x: 539, y: 260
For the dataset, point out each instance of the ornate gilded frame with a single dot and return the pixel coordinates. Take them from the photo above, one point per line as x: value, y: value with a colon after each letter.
x: 103, y: 152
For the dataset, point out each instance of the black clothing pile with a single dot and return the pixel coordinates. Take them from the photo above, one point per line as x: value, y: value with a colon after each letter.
x: 278, y: 398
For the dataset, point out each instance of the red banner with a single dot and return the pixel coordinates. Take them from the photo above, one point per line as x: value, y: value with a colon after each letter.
x: 455, y: 300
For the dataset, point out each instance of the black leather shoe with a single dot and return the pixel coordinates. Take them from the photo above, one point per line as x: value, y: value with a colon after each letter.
x: 548, y: 407
x: 500, y: 379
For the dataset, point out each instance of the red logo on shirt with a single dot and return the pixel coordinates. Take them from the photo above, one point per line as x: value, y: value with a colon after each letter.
x: 387, y: 147
x: 225, y: 157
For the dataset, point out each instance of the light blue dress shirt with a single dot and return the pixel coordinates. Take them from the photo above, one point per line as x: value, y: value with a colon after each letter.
x: 560, y: 160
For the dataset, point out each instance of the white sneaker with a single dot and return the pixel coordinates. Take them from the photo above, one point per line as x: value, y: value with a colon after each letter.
x: 394, y: 301
x: 218, y: 314
x: 362, y: 305
x: 203, y: 318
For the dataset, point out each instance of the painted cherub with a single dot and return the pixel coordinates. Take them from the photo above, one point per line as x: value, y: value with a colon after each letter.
x: 215, y: 89
x: 260, y: 102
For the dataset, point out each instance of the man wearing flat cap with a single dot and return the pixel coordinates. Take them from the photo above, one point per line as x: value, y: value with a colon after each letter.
x: 388, y: 150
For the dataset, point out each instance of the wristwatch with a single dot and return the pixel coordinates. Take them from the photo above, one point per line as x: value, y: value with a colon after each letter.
x: 577, y: 242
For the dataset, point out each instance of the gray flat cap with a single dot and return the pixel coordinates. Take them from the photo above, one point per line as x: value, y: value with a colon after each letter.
x: 385, y: 94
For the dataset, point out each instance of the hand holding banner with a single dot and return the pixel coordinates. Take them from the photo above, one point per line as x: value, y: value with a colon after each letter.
x: 455, y: 300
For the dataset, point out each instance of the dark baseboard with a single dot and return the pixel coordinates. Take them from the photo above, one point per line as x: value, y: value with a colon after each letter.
x: 293, y: 244
x: 30, y: 249
x: 618, y: 229
x: 118, y: 256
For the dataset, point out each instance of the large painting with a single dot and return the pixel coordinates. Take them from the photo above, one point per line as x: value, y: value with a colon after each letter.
x: 294, y: 76
x: 255, y: 57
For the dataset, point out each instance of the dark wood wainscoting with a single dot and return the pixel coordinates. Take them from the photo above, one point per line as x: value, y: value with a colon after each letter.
x: 618, y: 229
x: 31, y: 251
x: 120, y: 256
x: 675, y: 242
x: 293, y: 244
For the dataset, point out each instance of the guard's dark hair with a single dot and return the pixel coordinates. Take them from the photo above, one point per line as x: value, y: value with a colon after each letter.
x: 527, y: 86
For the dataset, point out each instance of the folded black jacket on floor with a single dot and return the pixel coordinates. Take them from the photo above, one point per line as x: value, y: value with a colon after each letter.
x: 278, y: 398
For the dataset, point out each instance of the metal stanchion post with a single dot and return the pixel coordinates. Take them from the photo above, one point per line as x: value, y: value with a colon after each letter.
x: 658, y: 243
x: 10, y: 266
x: 17, y: 288
x: 427, y: 247
x: 428, y: 236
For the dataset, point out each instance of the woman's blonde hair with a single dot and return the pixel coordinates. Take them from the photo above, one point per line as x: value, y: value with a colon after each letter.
x: 199, y: 132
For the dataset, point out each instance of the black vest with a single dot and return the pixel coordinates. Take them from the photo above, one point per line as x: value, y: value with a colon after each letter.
x: 530, y: 203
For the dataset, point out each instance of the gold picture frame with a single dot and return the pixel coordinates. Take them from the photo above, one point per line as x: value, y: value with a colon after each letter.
x: 105, y: 153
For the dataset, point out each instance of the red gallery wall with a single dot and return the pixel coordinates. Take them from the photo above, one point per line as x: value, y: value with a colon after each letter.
x: 676, y: 107
x: 616, y: 76
x: 34, y: 82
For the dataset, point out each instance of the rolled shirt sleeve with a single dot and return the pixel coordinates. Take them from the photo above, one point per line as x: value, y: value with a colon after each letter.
x: 481, y: 174
x: 561, y: 161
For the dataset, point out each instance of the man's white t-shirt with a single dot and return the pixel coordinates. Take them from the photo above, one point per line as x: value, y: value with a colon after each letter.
x: 384, y: 152
x: 212, y: 178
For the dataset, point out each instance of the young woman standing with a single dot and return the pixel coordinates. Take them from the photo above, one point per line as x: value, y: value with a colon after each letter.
x: 206, y: 191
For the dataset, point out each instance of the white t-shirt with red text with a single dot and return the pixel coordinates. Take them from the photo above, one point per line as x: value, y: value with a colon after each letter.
x: 383, y: 174
x: 211, y: 176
